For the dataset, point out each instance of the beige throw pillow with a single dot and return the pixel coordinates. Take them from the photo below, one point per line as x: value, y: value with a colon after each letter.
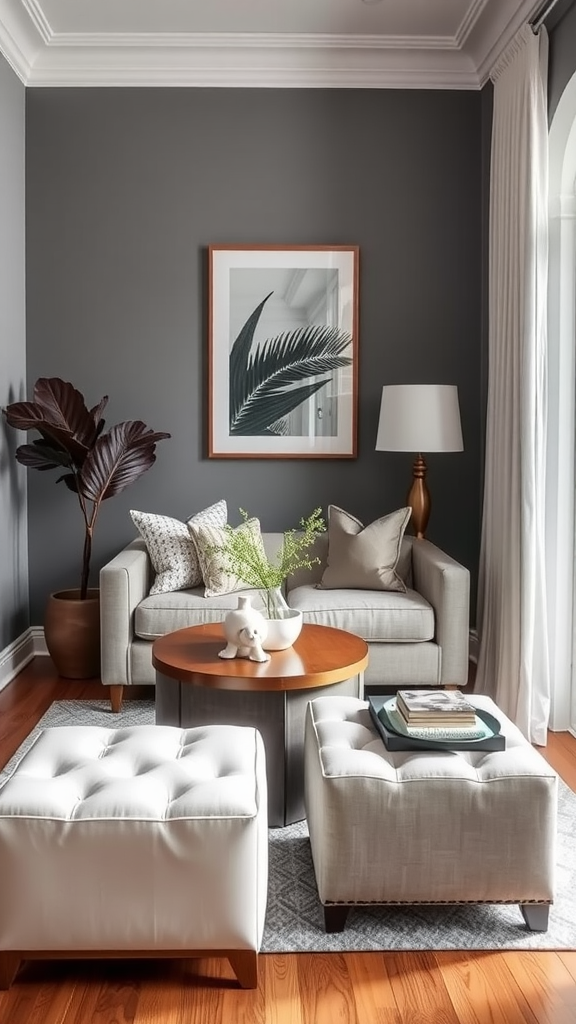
x: 208, y: 541
x: 364, y: 557
x: 172, y: 552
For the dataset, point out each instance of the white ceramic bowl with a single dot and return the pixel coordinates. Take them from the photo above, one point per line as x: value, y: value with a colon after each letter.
x: 283, y: 632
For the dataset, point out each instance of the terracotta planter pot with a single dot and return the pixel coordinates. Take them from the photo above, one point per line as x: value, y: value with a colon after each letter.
x: 72, y: 633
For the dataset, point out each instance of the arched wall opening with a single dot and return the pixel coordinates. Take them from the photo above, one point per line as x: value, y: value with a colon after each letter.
x: 561, y: 442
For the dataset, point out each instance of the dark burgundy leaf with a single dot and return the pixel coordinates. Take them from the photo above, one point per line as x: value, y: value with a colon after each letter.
x: 70, y: 480
x: 59, y: 412
x: 96, y: 414
x: 72, y: 437
x: 23, y: 415
x: 118, y: 459
x: 42, y: 455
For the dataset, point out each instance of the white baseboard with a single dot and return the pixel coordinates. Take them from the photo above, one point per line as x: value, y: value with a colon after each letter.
x: 21, y: 651
x: 37, y: 633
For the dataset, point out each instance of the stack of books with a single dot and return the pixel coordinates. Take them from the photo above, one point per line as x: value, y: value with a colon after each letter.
x: 446, y: 710
x: 434, y: 720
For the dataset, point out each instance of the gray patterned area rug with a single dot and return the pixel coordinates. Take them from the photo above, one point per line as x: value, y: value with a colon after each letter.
x: 294, y: 919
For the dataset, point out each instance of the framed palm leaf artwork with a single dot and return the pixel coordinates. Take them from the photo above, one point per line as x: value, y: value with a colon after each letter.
x: 283, y: 360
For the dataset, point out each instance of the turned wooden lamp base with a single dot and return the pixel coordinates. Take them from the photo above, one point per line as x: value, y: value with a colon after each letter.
x: 419, y: 498
x: 416, y: 416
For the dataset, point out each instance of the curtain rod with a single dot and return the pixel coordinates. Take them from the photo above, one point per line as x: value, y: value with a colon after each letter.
x: 540, y: 18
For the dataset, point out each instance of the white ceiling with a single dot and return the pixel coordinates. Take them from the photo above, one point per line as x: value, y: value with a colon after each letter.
x: 257, y: 43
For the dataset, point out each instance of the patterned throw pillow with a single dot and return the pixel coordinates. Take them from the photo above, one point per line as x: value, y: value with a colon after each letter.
x: 172, y: 552
x: 364, y: 557
x: 208, y: 540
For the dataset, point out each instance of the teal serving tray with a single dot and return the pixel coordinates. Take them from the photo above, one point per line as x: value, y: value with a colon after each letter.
x: 381, y: 710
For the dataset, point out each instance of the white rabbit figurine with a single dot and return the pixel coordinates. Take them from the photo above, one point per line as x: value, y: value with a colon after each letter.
x: 245, y: 630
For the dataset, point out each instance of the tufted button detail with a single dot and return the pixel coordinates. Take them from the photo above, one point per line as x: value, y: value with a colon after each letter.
x: 149, y: 772
x: 350, y: 745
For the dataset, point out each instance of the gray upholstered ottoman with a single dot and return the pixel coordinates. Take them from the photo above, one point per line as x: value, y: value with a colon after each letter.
x: 427, y: 826
x: 146, y: 841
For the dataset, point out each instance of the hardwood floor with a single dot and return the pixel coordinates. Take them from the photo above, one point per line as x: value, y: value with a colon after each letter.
x: 363, y: 988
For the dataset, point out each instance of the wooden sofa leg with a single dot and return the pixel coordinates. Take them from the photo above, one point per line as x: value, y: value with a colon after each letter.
x: 116, y: 697
x: 9, y: 964
x: 244, y: 963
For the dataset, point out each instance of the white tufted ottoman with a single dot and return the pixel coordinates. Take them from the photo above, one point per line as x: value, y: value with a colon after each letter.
x: 146, y: 841
x: 427, y: 826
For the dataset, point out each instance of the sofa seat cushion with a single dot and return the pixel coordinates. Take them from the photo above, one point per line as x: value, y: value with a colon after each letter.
x: 159, y: 614
x: 375, y: 615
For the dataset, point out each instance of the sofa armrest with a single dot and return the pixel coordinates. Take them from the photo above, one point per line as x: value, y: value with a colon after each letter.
x: 446, y: 586
x: 124, y: 582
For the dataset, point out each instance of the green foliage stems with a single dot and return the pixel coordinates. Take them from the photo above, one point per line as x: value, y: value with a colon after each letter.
x: 245, y: 557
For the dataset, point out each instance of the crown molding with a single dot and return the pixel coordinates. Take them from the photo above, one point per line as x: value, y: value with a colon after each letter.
x: 19, y: 41
x: 470, y: 18
x: 262, y: 61
x: 489, y: 36
x: 42, y: 57
x: 289, y: 41
x: 38, y: 19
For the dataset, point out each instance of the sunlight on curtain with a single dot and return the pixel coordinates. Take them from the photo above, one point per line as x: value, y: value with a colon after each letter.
x: 513, y: 653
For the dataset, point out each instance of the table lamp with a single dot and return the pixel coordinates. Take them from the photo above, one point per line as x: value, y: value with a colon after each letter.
x: 419, y: 418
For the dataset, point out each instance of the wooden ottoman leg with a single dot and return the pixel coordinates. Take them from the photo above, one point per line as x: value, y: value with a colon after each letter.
x: 335, y: 917
x: 244, y: 963
x: 9, y: 964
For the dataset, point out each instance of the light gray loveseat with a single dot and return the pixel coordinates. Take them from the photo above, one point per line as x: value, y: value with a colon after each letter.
x: 417, y: 638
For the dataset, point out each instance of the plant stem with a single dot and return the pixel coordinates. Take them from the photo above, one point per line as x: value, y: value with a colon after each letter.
x: 274, y: 603
x: 87, y: 553
x: 89, y: 523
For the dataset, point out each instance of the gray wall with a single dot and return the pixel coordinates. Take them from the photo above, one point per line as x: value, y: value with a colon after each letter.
x: 13, y: 545
x: 127, y: 188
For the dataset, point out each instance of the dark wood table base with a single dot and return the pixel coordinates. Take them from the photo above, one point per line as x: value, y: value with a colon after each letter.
x: 196, y: 687
x: 278, y: 715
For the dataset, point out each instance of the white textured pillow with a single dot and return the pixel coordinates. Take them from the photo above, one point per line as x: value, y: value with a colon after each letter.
x: 172, y: 552
x: 208, y: 539
x: 364, y: 557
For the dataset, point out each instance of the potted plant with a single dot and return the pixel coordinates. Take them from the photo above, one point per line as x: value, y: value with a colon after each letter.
x: 97, y: 465
x: 243, y: 555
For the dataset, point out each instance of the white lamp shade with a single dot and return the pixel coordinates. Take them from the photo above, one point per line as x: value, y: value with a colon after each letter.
x: 419, y: 418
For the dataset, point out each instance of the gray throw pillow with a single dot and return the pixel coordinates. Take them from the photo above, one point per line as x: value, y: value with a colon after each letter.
x: 364, y: 557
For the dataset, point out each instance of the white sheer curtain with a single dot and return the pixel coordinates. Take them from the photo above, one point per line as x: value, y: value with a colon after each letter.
x: 513, y: 654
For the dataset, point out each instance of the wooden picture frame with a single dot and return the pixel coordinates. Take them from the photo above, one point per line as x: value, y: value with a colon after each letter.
x: 283, y: 351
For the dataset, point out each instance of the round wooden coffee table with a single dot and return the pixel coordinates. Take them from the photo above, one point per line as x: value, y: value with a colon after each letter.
x: 196, y: 687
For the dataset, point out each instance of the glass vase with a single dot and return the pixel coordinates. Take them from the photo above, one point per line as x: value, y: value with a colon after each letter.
x: 275, y: 606
x: 284, y: 623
